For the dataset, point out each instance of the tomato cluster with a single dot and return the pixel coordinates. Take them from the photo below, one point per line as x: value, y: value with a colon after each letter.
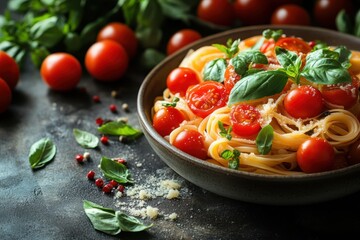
x: 9, y: 78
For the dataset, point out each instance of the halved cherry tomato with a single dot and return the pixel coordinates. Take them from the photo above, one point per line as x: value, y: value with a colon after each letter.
x: 180, y: 39
x: 180, y: 79
x: 167, y: 119
x: 290, y: 14
x: 191, y: 142
x: 304, y: 102
x: 9, y: 70
x: 245, y: 120
x: 230, y: 77
x: 5, y: 95
x: 345, y: 95
x: 206, y: 97
x: 294, y: 44
x: 315, y: 155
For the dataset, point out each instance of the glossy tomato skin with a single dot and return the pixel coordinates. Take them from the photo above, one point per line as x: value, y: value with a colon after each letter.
x: 204, y: 98
x: 106, y: 61
x: 9, y: 70
x: 304, y: 102
x: 121, y: 33
x: 61, y: 71
x: 180, y: 79
x: 191, y: 142
x: 346, y: 95
x: 325, y: 11
x: 5, y: 96
x: 290, y: 14
x: 315, y: 155
x: 230, y: 78
x: 294, y: 44
x: 220, y: 12
x: 353, y: 156
x: 167, y: 119
x: 180, y: 39
x: 253, y: 12
x: 245, y: 120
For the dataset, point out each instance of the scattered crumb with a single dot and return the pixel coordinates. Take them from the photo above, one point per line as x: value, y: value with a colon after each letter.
x: 172, y: 216
x: 152, y: 212
x: 173, y: 193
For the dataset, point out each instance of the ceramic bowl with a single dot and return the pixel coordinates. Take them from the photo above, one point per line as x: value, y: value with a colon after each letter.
x: 245, y: 186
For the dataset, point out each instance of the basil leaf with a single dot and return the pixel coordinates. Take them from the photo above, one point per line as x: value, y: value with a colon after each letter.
x: 214, y: 70
x: 325, y: 71
x: 274, y: 34
x: 344, y: 56
x: 357, y: 24
x: 115, y: 171
x: 85, y: 139
x: 242, y: 61
x: 48, y: 32
x: 264, y: 139
x: 258, y: 85
x: 177, y: 9
x: 231, y: 48
x: 41, y: 152
x: 129, y: 223
x: 119, y: 128
x: 343, y: 22
x: 232, y: 157
x: 290, y: 61
x: 322, y: 53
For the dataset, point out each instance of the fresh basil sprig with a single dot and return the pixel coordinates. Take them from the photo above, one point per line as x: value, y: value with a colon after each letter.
x: 215, y: 70
x: 232, y: 157
x: 225, y: 132
x: 230, y: 49
x: 85, y: 139
x: 290, y: 61
x: 264, y: 139
x: 110, y: 221
x: 119, y: 128
x: 114, y: 170
x: 41, y: 152
x: 274, y: 34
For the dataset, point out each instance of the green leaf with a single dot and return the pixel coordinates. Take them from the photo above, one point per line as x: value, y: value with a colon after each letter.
x: 129, y: 223
x: 274, y: 34
x: 232, y: 157
x: 343, y: 22
x: 290, y: 61
x: 48, y: 32
x: 344, y: 56
x: 214, y: 70
x: 242, y: 61
x: 119, y: 128
x: 230, y: 49
x: 258, y: 85
x: 264, y: 139
x: 41, y: 152
x: 150, y: 58
x: 85, y: 139
x: 225, y: 132
x: 115, y: 171
x: 177, y: 9
x: 357, y: 24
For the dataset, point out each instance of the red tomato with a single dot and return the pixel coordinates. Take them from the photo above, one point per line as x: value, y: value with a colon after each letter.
x: 290, y: 14
x: 180, y: 79
x: 180, y: 39
x: 353, y: 156
x: 253, y: 12
x: 61, y: 71
x: 220, y: 12
x: 206, y: 97
x: 230, y: 78
x: 191, y: 142
x: 167, y: 119
x: 245, y: 120
x: 294, y: 44
x: 325, y: 11
x: 9, y: 70
x: 304, y: 102
x: 345, y: 95
x: 315, y: 155
x: 106, y: 61
x: 121, y: 33
x: 5, y: 95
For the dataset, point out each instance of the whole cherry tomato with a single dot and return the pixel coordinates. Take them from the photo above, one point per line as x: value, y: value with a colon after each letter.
x: 122, y: 34
x: 180, y: 79
x: 325, y: 11
x: 167, y: 119
x: 220, y: 12
x: 345, y: 95
x: 253, y: 12
x: 294, y: 44
x: 304, y: 102
x: 9, y: 70
x: 245, y: 120
x: 180, y: 39
x: 191, y: 142
x: 61, y: 71
x: 315, y: 155
x: 106, y: 61
x: 290, y: 14
x: 204, y: 98
x: 5, y: 96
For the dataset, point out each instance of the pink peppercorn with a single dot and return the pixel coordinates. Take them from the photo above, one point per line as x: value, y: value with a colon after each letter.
x: 90, y: 175
x: 99, y: 121
x: 99, y: 182
x: 113, y: 108
x: 79, y: 158
x: 121, y: 188
x: 114, y: 183
x: 104, y: 140
x: 107, y: 188
x: 96, y: 98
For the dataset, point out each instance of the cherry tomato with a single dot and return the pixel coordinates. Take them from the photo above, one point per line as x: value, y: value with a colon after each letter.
x: 345, y: 95
x: 304, y: 102
x: 9, y: 70
x: 167, y: 119
x: 245, y: 9
x: 5, y: 95
x: 61, y: 71
x: 220, y: 12
x: 294, y: 44
x: 106, y: 61
x: 230, y: 78
x: 191, y: 142
x: 245, y: 120
x: 290, y: 14
x: 180, y: 79
x: 315, y: 155
x: 121, y: 33
x: 180, y: 39
x: 325, y: 11
x: 353, y: 156
x: 206, y: 97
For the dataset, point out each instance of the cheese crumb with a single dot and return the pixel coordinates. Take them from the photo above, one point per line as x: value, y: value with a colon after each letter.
x: 173, y: 216
x: 152, y: 212
x: 144, y: 195
x: 170, y: 184
x: 173, y: 193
